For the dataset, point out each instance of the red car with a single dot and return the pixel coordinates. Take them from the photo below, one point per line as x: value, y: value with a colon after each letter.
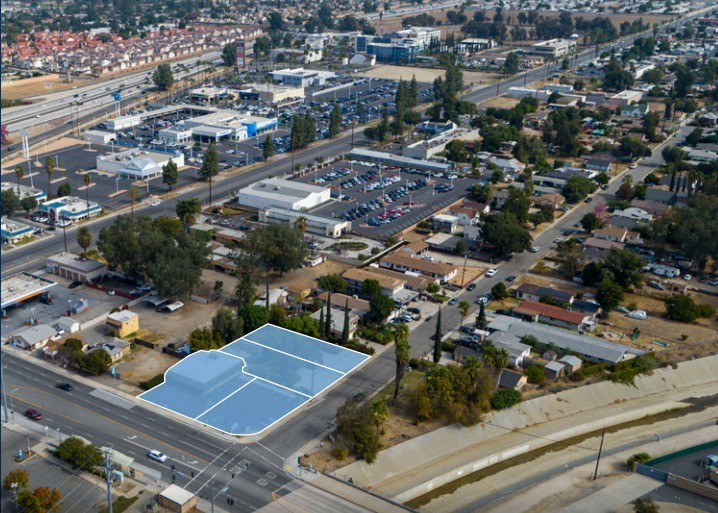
x: 33, y: 414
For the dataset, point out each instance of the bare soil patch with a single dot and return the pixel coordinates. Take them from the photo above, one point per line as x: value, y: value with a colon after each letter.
x: 37, y: 86
x: 425, y: 75
x: 501, y: 102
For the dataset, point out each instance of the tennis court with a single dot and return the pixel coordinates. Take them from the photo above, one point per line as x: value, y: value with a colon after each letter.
x: 255, y: 381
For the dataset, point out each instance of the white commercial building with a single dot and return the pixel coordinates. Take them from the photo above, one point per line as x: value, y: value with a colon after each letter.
x: 553, y: 48
x: 326, y: 226
x: 280, y: 193
x: 138, y: 163
x: 123, y: 122
x: 174, y: 135
x: 301, y: 77
x: 98, y: 136
x: 23, y: 191
x: 70, y: 208
x: 228, y: 124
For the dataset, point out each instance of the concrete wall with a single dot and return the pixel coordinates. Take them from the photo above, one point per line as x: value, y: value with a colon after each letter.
x: 419, y: 465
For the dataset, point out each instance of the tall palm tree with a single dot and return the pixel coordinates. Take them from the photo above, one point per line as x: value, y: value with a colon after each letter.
x: 19, y: 172
x: 402, y: 353
x: 87, y: 179
x: 84, y: 239
x: 49, y: 169
x: 379, y: 412
x: 463, y: 310
x: 301, y: 224
x: 133, y: 193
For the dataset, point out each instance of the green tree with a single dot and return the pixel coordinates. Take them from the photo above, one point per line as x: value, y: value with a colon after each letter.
x: 511, y: 65
x: 210, y: 167
x: 227, y: 326
x: 626, y: 267
x: 437, y: 338
x: 482, y: 193
x: 505, y: 398
x: 590, y: 222
x: 355, y: 430
x: 370, y: 288
x: 380, y: 306
x: 335, y: 121
x: 203, y: 339
x: 402, y: 353
x: 229, y: 55
x: 506, y: 234
x: 345, y: 324
x: 254, y: 317
x: 95, y: 362
x: 18, y: 477
x: 19, y: 173
x: 28, y: 203
x: 577, y: 188
x: 517, y: 204
x: 609, y: 295
x: 188, y: 210
x: 640, y: 457
x: 247, y: 280
x: 333, y: 283
x: 10, y: 202
x: 592, y: 274
x: 681, y: 308
x: 80, y: 454
x: 481, y: 321
x: 268, y: 149
x: 535, y: 374
x: 379, y: 412
x: 463, y: 309
x: 49, y: 169
x: 84, y: 239
x: 163, y: 78
x: 499, y: 291
x: 170, y: 174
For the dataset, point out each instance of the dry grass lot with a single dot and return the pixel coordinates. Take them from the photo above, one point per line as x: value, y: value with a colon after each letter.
x: 38, y: 86
x: 425, y: 75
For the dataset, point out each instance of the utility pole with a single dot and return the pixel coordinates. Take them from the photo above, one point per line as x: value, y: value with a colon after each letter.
x: 4, y: 397
x: 108, y: 479
x: 598, y: 459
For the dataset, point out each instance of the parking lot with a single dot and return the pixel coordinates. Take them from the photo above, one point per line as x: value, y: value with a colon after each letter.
x: 382, y: 201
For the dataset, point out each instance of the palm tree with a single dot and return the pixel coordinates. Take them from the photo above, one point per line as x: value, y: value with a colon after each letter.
x: 49, y: 169
x: 188, y: 210
x: 379, y: 412
x: 402, y: 353
x: 19, y: 172
x: 133, y: 193
x: 84, y: 239
x: 463, y: 310
x: 87, y: 179
x: 301, y: 224
x: 300, y: 296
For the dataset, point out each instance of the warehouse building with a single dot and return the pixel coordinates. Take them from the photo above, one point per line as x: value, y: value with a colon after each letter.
x: 280, y: 193
x: 138, y: 164
x: 553, y: 48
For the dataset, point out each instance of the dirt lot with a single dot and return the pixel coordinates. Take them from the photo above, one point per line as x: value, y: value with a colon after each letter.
x: 501, y: 102
x: 37, y: 86
x: 425, y: 75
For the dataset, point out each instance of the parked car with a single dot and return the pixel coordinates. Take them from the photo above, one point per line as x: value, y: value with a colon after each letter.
x: 510, y: 278
x: 490, y: 273
x: 453, y: 301
x: 482, y: 300
x: 33, y: 414
x: 471, y: 287
x: 534, y: 249
x: 638, y: 314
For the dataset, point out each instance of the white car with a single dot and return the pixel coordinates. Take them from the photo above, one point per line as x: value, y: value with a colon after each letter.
x: 155, y: 203
x: 490, y: 273
x: 534, y: 249
x: 688, y: 277
x: 157, y: 456
x: 638, y: 314
x: 633, y: 166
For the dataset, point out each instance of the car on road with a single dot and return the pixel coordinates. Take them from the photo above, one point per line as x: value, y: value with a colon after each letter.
x: 64, y: 386
x: 453, y: 301
x: 588, y: 200
x: 471, y: 287
x: 33, y: 414
x: 429, y: 317
x: 490, y: 273
x: 510, y: 278
x: 155, y: 203
x: 482, y: 300
x: 157, y: 456
x: 534, y: 249
x: 633, y: 166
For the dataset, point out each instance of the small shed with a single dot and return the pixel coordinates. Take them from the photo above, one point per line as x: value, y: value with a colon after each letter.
x: 511, y: 379
x: 177, y: 499
x: 68, y: 324
x: 554, y: 370
x: 572, y: 363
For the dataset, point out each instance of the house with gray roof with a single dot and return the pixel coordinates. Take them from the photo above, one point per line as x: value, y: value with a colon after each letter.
x: 34, y: 337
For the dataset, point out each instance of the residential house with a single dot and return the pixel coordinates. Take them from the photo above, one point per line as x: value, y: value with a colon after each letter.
x: 709, y: 119
x: 518, y: 351
x: 116, y: 348
x: 481, y: 208
x: 462, y: 353
x: 597, y: 249
x: 500, y: 198
x: 553, y: 200
x: 357, y: 306
x: 602, y: 164
x: 277, y: 296
x: 445, y: 223
x: 337, y: 321
x: 415, y: 248
x: 634, y: 213
x: 549, y: 355
x: 467, y: 216
x: 625, y: 98
x: 34, y: 337
x: 626, y: 223
x: 635, y: 111
x: 355, y: 279
x: 528, y: 291
x: 572, y: 363
x: 555, y: 315
x: 412, y: 281
x: 510, y: 167
x: 554, y: 370
x: 589, y: 307
x: 445, y: 242
x: 653, y: 208
x: 122, y: 323
x: 512, y: 380
x: 402, y: 263
x: 611, y: 233
x: 659, y: 195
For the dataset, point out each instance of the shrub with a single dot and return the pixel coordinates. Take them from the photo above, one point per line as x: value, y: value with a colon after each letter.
x: 535, y: 374
x: 153, y: 382
x: 505, y: 398
x: 640, y: 457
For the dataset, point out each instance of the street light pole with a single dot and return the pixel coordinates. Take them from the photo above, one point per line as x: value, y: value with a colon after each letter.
x: 4, y: 397
x: 12, y: 405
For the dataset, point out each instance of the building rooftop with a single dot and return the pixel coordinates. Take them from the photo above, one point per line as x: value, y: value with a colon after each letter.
x: 281, y: 187
x: 529, y: 307
x: 359, y: 275
x: 22, y: 286
x: 122, y: 316
x: 422, y: 265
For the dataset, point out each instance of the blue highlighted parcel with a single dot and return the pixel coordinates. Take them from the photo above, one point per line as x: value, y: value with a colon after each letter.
x: 255, y: 381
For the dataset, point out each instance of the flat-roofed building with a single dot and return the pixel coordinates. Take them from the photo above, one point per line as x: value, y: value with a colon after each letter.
x: 70, y: 208
x: 553, y: 48
x: 301, y: 77
x: 403, y: 262
x: 23, y: 286
x: 137, y: 163
x: 228, y: 124
x: 625, y: 98
x: 285, y: 194
x: 325, y: 226
x: 23, y: 191
x: 120, y: 324
x: 74, y: 267
x: 15, y: 231
x: 270, y: 94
